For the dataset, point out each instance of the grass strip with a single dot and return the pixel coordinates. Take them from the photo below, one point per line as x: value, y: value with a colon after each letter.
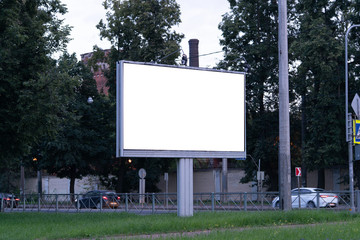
x: 350, y: 230
x: 95, y: 225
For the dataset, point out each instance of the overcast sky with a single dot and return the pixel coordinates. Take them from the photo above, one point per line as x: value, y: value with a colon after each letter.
x: 200, y: 19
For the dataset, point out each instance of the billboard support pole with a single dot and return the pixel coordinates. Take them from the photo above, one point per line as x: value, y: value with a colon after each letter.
x: 185, y: 206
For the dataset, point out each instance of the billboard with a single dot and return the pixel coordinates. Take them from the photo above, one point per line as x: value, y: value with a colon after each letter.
x: 180, y: 112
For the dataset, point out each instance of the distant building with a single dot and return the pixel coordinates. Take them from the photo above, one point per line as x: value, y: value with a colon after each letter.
x: 98, y: 75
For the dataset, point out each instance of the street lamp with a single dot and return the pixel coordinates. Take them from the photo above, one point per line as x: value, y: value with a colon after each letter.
x: 90, y: 100
x: 39, y: 177
x: 348, y: 120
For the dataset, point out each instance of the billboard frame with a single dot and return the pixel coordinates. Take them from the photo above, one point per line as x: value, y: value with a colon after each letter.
x: 121, y: 152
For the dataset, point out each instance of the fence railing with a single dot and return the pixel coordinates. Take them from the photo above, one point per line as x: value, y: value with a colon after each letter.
x: 152, y: 203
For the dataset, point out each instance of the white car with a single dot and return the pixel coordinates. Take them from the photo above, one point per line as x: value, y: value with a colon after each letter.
x: 310, y: 198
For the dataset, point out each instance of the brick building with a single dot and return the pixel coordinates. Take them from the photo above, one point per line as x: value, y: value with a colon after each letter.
x: 99, y: 75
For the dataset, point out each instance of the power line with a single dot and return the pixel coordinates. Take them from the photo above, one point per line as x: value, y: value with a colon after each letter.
x: 206, y: 54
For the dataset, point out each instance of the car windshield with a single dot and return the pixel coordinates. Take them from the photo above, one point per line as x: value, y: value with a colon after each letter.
x: 318, y: 190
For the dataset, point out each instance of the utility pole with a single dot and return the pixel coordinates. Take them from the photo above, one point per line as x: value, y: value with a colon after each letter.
x: 284, y: 118
x: 348, y: 120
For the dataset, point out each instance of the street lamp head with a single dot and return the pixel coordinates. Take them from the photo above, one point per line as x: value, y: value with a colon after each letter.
x: 90, y: 100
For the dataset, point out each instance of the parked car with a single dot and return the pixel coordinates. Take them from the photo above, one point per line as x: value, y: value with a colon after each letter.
x: 308, y: 198
x: 9, y: 200
x: 91, y: 199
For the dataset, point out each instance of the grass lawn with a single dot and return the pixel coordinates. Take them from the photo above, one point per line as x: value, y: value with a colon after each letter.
x: 224, y: 225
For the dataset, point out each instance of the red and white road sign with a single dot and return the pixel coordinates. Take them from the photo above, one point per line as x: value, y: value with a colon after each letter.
x: 298, y: 171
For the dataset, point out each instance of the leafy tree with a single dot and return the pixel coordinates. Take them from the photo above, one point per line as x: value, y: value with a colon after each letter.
x: 319, y: 54
x: 83, y: 138
x: 30, y: 32
x: 139, y: 31
x: 249, y: 41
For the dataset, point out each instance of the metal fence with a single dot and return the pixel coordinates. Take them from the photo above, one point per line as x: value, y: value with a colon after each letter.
x: 155, y: 203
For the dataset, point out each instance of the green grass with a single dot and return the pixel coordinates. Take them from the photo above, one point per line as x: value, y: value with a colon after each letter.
x: 319, y: 232
x: 94, y: 225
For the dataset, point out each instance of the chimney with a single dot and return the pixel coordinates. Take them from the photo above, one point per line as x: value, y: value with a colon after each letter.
x: 194, y: 52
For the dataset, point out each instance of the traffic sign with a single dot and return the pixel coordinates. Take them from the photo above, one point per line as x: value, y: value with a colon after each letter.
x: 298, y: 171
x: 142, y: 173
x: 356, y: 131
x: 355, y: 104
x: 260, y: 175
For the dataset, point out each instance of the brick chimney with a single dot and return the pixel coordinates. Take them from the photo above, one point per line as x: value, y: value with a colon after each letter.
x: 194, y: 52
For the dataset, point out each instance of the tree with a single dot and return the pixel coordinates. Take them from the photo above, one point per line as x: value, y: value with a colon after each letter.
x: 84, y: 136
x: 249, y: 41
x: 139, y: 31
x: 30, y: 32
x: 319, y: 54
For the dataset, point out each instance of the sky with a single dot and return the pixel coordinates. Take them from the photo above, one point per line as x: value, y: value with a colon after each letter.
x: 200, y: 20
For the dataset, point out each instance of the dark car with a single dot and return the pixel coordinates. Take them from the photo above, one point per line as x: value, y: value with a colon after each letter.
x: 9, y: 200
x: 99, y: 199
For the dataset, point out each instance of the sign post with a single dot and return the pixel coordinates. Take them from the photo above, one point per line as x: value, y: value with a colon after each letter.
x: 298, y: 175
x: 142, y: 175
x: 166, y: 179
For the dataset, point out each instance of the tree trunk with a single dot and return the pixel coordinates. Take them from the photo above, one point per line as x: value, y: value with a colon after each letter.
x: 120, y: 176
x: 321, y: 178
x: 72, y: 188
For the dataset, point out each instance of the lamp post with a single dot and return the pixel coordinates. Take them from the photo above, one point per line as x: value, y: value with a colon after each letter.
x: 348, y: 120
x: 39, y: 177
x: 258, y: 174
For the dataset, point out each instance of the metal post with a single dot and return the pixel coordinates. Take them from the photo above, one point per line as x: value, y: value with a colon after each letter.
x: 348, y: 137
x: 166, y: 178
x: 39, y: 180
x: 39, y: 199
x: 101, y: 201
x: 153, y: 203
x: 212, y: 202
x: 56, y: 203
x: 245, y: 201
x: 24, y: 201
x: 298, y: 180
x: 12, y: 202
x: 260, y: 179
x: 77, y: 203
x: 126, y: 203
x: 22, y: 179
x: 224, y: 178
x: 317, y: 200
x: 284, y: 118
x: 185, y: 187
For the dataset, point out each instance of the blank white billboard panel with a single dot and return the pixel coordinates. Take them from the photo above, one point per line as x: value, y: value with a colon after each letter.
x: 166, y: 111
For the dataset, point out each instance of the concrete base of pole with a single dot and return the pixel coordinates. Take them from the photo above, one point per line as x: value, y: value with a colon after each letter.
x: 185, y: 187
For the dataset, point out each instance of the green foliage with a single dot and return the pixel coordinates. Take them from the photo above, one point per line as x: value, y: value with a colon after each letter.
x: 30, y: 98
x: 84, y: 135
x: 249, y: 40
x: 139, y: 31
x: 318, y: 51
